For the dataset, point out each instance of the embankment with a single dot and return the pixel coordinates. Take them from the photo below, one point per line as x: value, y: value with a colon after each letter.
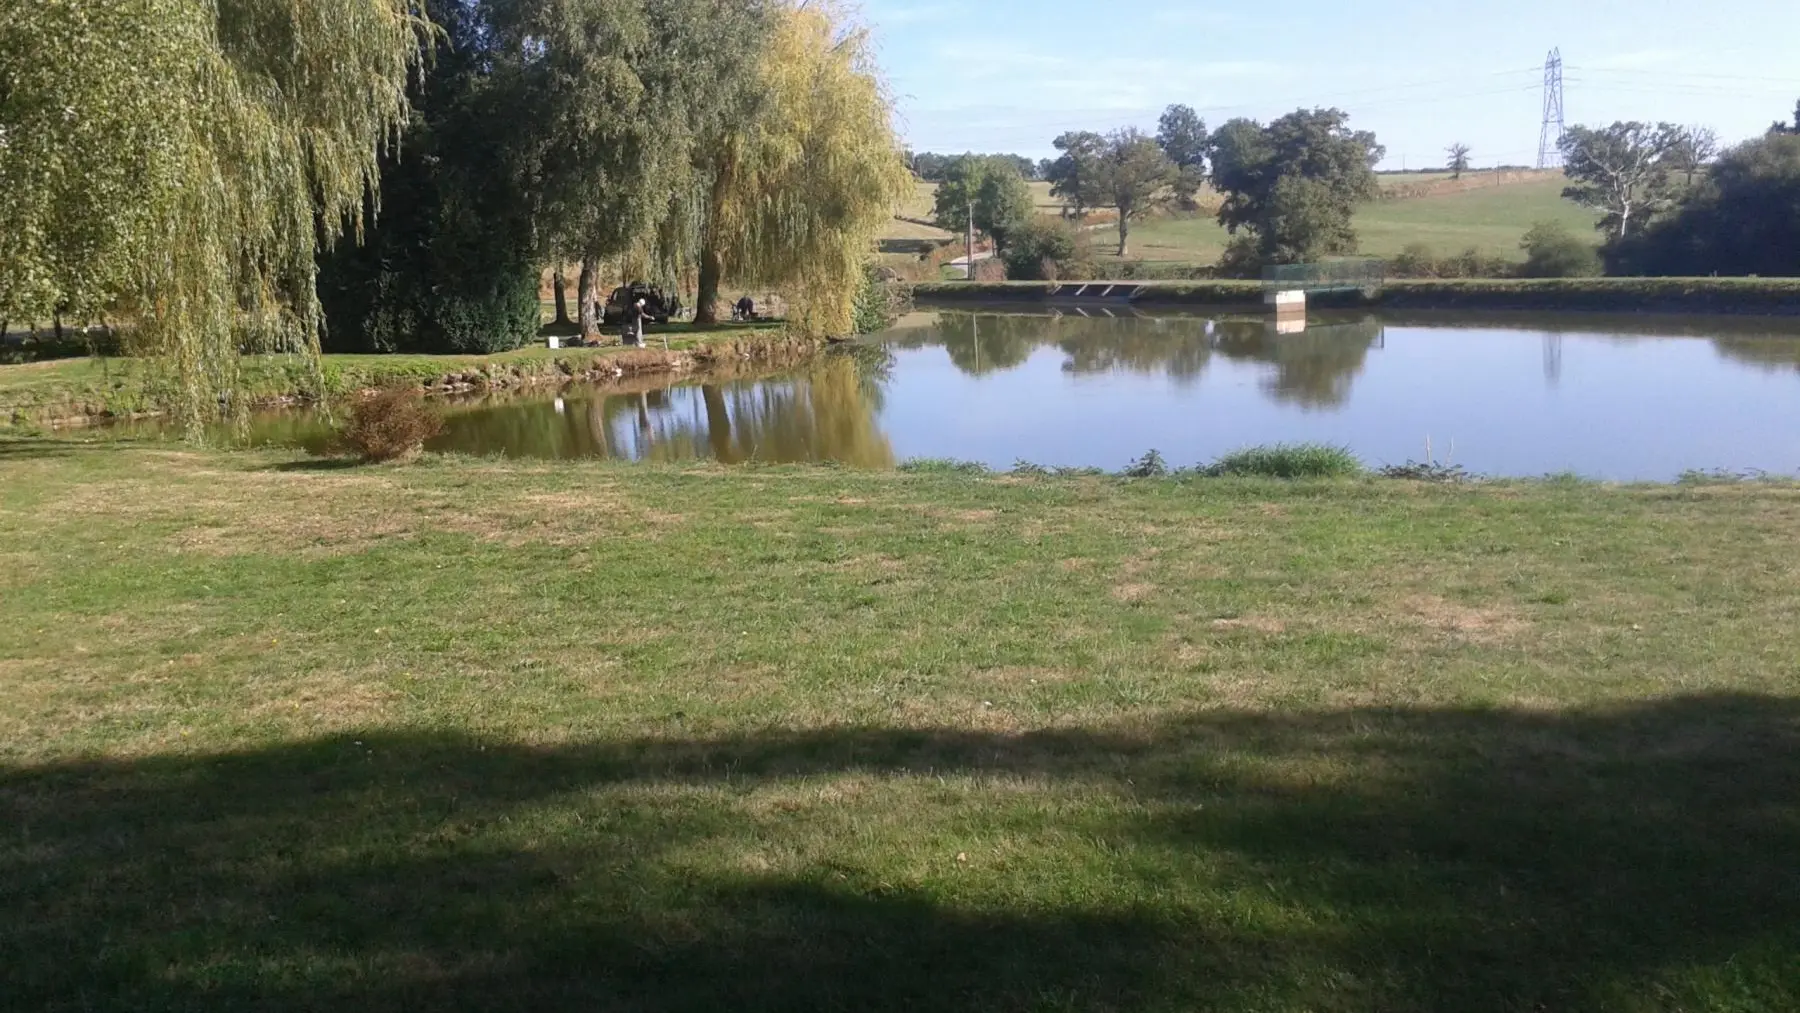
x: 1739, y: 296
x: 83, y: 391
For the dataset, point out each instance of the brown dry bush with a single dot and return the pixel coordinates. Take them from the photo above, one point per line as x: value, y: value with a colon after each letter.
x: 390, y: 424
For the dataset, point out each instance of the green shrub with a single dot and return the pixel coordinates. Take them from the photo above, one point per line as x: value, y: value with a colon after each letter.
x: 1142, y: 270
x: 882, y: 299
x: 1552, y: 251
x: 942, y: 466
x: 1045, y: 249
x: 1475, y: 263
x: 1151, y: 465
x: 1288, y: 460
x: 1417, y: 260
x: 1242, y: 258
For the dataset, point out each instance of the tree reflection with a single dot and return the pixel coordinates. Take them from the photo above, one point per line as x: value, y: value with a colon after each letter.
x: 1771, y: 354
x: 980, y: 344
x: 823, y: 413
x: 1176, y: 347
x: 1314, y: 369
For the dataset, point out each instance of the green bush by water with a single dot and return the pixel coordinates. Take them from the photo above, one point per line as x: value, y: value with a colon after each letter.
x: 1288, y: 460
x: 942, y: 466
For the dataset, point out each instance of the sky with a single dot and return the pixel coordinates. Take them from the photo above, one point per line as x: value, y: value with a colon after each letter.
x: 1009, y: 75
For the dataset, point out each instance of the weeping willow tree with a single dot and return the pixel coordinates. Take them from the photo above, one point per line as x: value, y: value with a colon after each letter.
x: 619, y: 95
x: 802, y: 186
x: 177, y: 165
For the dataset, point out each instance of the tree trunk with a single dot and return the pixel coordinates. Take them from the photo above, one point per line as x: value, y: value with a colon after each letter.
x: 585, y: 296
x: 1124, y: 234
x: 56, y: 326
x: 712, y: 272
x: 559, y: 285
x: 718, y: 424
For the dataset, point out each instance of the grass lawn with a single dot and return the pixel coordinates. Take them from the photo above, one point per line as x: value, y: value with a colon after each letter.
x: 279, y: 735
x: 1492, y: 219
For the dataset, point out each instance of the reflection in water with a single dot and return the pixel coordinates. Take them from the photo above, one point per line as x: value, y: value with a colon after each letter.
x: 1516, y: 394
x: 1773, y: 355
x: 818, y: 414
x: 1314, y: 368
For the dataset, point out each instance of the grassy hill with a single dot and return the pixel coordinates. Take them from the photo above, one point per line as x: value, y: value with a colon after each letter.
x: 1489, y: 212
x: 1489, y: 218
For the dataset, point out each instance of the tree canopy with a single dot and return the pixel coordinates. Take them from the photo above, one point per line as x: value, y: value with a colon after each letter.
x: 1181, y: 134
x: 1125, y: 170
x: 179, y: 163
x: 1074, y: 175
x: 1459, y: 159
x: 991, y: 189
x: 1742, y: 218
x: 614, y: 98
x: 1622, y: 171
x: 932, y: 167
x: 450, y: 263
x: 1294, y: 185
x: 816, y: 171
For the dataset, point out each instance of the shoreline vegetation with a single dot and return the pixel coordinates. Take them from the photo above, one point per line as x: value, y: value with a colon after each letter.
x: 526, y: 735
x: 1721, y: 296
x: 75, y: 392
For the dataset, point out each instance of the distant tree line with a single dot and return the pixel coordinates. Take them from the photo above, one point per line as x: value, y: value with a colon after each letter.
x: 1288, y: 189
x: 935, y: 168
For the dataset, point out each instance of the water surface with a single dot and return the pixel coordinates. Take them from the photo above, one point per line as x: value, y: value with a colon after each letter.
x: 1616, y: 398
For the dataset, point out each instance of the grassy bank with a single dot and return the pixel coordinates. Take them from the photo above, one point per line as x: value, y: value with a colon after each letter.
x: 277, y: 735
x: 1751, y: 296
x: 75, y: 390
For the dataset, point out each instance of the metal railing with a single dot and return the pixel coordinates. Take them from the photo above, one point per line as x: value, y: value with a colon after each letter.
x: 1358, y: 275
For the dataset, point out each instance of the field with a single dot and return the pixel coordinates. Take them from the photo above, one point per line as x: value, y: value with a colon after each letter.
x: 1491, y: 215
x: 279, y: 734
x: 1491, y: 219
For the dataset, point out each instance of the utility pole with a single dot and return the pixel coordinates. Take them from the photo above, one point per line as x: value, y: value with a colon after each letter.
x: 971, y: 268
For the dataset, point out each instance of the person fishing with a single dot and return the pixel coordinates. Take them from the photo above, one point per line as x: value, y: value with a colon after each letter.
x: 633, y: 333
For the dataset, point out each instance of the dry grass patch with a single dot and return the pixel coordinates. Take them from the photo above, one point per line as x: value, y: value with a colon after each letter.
x: 1255, y: 624
x: 323, y: 701
x: 1132, y: 593
x: 1478, y: 625
x: 1129, y: 587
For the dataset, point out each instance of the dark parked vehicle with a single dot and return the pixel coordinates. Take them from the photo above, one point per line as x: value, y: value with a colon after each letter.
x: 659, y: 306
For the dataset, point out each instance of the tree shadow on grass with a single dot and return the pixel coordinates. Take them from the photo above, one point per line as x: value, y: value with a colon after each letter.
x: 1635, y: 858
x: 320, y: 464
x: 36, y: 448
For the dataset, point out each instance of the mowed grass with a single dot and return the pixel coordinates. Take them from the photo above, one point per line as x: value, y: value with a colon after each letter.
x: 1490, y: 219
x: 281, y: 735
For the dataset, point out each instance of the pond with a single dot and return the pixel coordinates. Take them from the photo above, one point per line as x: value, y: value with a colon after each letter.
x: 1507, y: 395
